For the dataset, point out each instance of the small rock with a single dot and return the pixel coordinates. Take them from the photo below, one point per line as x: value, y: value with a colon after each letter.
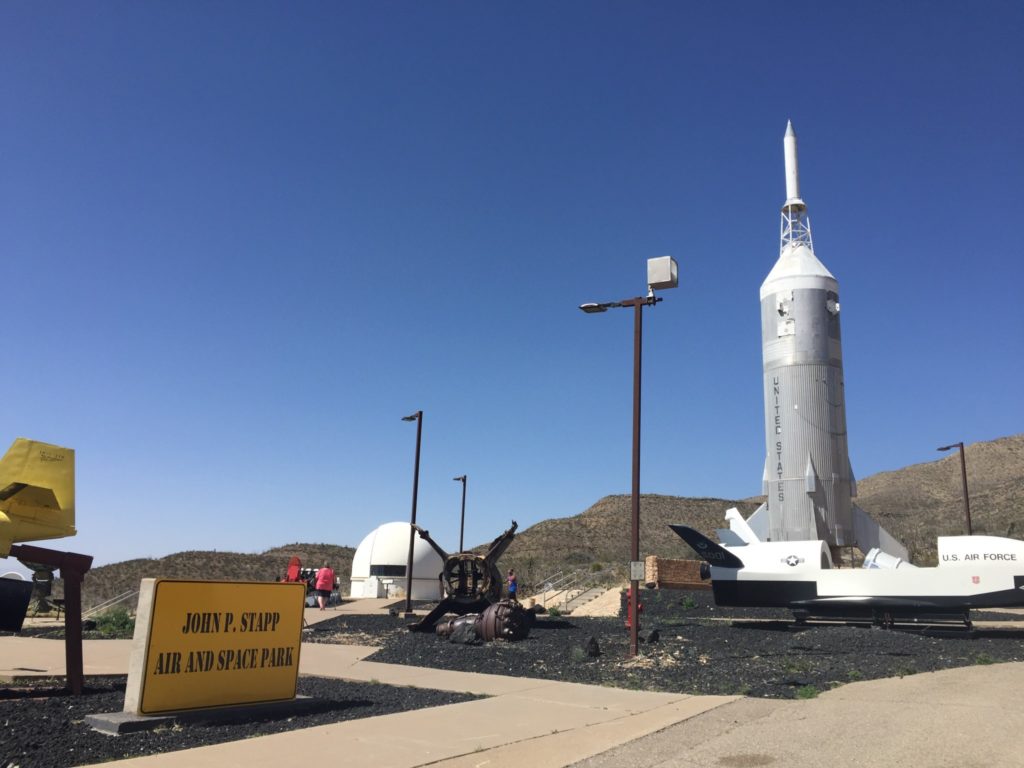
x: 592, y: 648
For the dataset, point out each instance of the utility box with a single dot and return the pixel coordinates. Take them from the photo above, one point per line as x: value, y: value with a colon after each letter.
x: 662, y: 272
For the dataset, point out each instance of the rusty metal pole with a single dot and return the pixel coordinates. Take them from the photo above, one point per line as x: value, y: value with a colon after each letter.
x: 418, y: 418
x: 73, y: 568
x: 74, y: 663
x: 963, y: 476
x: 967, y: 501
x: 634, y: 585
x: 638, y: 304
x: 462, y: 520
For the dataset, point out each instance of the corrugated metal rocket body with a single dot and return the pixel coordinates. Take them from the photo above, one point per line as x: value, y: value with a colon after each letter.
x: 807, y: 476
x: 808, y: 480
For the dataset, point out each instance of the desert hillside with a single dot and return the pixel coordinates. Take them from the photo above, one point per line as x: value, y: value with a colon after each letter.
x: 916, y: 504
x: 109, y: 581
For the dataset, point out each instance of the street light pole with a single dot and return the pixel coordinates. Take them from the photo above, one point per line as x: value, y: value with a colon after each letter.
x: 462, y: 521
x: 418, y: 418
x: 634, y: 584
x: 661, y: 273
x: 963, y: 476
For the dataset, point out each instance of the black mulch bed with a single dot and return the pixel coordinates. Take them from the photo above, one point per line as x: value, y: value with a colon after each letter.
x: 700, y: 649
x: 41, y: 726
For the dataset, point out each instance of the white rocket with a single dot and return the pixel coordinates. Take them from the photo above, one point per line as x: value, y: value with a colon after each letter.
x: 807, y: 475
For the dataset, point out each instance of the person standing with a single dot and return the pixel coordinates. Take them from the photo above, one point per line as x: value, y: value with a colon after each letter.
x: 513, y: 585
x: 324, y: 585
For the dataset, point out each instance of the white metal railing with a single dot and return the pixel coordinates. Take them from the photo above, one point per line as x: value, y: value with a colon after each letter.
x: 110, y: 603
x: 561, y: 586
x: 558, y: 584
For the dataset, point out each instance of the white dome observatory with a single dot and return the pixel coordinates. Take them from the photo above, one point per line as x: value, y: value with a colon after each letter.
x: 378, y: 566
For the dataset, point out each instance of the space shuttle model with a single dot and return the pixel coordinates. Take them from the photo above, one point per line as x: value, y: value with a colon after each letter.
x: 808, y: 480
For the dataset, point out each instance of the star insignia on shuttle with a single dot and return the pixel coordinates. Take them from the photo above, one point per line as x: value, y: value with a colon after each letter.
x: 793, y: 561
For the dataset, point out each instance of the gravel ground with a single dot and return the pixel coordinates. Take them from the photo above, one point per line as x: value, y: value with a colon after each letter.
x: 701, y: 649
x: 43, y: 727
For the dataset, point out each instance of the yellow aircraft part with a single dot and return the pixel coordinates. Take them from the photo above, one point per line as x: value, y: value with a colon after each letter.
x: 37, y: 493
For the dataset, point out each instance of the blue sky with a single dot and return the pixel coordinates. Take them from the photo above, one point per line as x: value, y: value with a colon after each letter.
x: 241, y: 240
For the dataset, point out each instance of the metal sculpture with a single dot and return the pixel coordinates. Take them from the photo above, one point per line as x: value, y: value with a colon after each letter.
x: 504, y: 620
x: 471, y: 582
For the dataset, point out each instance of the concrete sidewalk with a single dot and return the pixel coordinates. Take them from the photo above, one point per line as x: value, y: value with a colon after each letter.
x: 972, y: 716
x: 547, y: 723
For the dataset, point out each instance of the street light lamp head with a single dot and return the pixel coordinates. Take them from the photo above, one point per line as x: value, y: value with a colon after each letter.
x: 949, y: 447
x: 460, y: 479
x: 413, y: 417
x: 662, y: 272
x: 592, y: 308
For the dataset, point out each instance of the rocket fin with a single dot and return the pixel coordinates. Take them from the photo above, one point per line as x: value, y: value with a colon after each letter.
x: 758, y: 523
x: 706, y: 549
x: 811, y: 482
x: 869, y: 534
x: 820, y: 526
x: 764, y: 478
x: 853, y: 479
x: 739, y: 527
x: 729, y: 538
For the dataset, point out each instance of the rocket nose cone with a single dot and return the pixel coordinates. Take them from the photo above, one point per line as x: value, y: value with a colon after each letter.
x: 789, y: 128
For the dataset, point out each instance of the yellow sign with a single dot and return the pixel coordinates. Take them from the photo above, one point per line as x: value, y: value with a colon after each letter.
x: 202, y: 644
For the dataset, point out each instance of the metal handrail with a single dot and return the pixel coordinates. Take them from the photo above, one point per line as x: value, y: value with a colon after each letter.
x: 553, y: 579
x: 561, y: 584
x: 110, y: 603
x: 567, y: 579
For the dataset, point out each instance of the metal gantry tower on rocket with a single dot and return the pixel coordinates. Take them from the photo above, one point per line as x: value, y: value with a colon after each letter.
x: 807, y: 479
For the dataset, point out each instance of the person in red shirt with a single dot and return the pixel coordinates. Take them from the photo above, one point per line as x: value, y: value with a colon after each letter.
x: 324, y: 585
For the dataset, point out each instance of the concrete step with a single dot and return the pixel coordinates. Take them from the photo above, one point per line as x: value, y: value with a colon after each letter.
x: 584, y: 597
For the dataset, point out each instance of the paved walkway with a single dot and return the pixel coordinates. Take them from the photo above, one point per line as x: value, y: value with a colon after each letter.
x: 545, y: 723
x: 962, y: 717
x: 972, y: 717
